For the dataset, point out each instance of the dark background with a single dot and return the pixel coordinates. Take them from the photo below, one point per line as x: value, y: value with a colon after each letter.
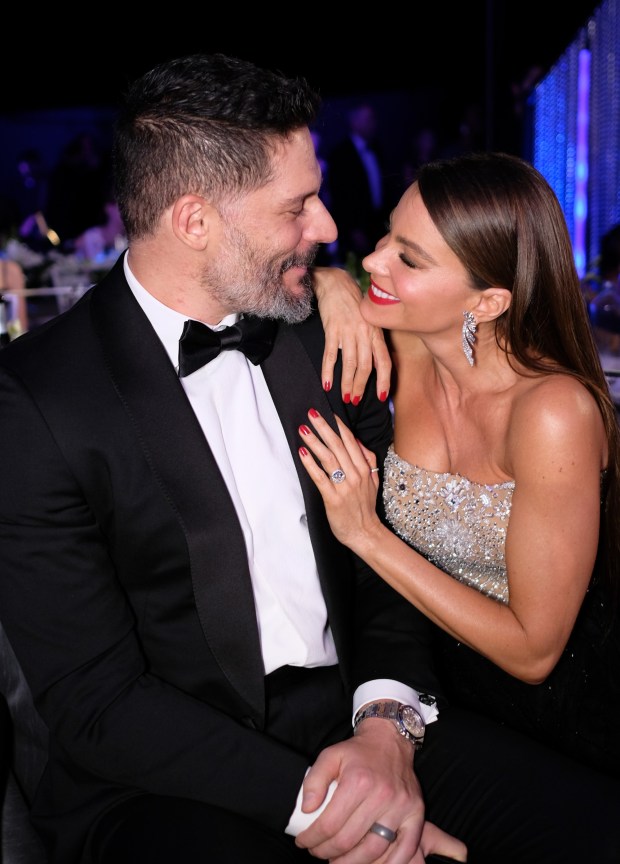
x: 64, y: 69
x: 54, y: 57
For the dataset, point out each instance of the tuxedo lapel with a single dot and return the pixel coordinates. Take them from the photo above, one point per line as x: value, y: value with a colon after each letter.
x: 295, y: 388
x: 185, y: 468
x: 295, y: 385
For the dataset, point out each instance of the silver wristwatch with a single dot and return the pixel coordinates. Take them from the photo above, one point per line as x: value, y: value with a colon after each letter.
x: 407, y: 720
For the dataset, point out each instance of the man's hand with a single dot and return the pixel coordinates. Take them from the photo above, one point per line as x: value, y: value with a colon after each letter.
x: 376, y: 783
x: 362, y: 344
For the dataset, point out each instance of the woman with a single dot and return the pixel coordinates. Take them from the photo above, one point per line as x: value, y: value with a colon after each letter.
x: 501, y: 488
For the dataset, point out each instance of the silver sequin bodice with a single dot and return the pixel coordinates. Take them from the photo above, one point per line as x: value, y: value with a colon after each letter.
x: 459, y: 525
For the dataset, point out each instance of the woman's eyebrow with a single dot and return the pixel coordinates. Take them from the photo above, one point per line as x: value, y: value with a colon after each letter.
x: 411, y: 244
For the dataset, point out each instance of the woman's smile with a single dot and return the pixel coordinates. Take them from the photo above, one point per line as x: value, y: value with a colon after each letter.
x: 380, y: 297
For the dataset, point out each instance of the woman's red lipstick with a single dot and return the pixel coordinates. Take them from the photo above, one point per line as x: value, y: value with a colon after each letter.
x: 379, y: 296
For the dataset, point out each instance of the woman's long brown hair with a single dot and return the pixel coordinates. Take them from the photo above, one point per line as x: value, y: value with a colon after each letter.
x: 504, y: 222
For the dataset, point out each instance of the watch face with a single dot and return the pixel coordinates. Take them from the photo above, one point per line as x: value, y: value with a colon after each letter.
x: 414, y: 724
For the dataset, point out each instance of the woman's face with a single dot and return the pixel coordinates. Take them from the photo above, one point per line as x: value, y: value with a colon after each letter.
x: 417, y: 283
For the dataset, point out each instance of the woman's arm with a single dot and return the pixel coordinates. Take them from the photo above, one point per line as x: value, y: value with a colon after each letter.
x: 557, y: 446
x: 339, y: 296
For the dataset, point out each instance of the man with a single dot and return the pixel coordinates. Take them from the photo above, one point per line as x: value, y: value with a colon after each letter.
x: 184, y: 575
x: 195, y: 640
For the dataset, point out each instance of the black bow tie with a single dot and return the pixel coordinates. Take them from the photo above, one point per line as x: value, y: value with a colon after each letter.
x: 200, y: 344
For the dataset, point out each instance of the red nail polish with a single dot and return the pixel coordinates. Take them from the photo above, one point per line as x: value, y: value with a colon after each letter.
x: 304, y: 430
x: 383, y: 396
x: 346, y: 398
x: 303, y: 451
x: 356, y: 400
x: 327, y: 386
x: 313, y: 412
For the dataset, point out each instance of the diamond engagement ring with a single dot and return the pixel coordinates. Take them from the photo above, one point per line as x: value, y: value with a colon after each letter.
x: 374, y: 470
x: 384, y: 832
x: 337, y: 476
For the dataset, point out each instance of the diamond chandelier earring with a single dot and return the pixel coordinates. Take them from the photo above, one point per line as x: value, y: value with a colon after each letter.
x: 469, y: 336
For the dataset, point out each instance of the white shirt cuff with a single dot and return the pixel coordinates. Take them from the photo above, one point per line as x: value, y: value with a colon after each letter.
x: 386, y: 688
x: 300, y: 821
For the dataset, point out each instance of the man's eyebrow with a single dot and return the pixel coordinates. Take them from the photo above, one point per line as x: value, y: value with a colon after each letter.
x: 410, y: 244
x: 296, y: 200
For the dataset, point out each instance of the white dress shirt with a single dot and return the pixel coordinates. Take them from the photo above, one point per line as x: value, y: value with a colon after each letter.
x: 234, y: 408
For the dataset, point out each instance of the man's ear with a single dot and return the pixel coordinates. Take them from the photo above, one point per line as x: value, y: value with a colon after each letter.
x: 492, y: 303
x: 191, y: 218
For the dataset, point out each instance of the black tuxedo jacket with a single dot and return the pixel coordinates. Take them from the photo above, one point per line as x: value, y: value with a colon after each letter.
x: 125, y: 587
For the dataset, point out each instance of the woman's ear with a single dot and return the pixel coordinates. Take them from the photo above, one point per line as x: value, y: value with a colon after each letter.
x: 191, y: 216
x: 492, y: 303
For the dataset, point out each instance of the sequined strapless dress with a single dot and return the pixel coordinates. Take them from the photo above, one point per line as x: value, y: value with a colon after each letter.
x: 457, y: 524
x: 460, y: 526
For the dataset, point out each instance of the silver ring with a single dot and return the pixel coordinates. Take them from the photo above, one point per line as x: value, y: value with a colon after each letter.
x: 337, y: 476
x: 374, y: 470
x: 384, y: 832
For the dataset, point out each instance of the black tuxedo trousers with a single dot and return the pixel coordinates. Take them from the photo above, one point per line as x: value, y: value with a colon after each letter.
x: 509, y: 799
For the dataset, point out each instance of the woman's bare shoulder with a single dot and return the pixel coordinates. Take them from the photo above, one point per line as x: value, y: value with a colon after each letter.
x: 556, y: 396
x: 558, y: 411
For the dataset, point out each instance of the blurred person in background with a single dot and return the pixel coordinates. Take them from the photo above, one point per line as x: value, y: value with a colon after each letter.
x: 75, y: 196
x: 359, y: 198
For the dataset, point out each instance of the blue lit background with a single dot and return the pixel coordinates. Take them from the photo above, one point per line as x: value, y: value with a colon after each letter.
x: 576, y: 131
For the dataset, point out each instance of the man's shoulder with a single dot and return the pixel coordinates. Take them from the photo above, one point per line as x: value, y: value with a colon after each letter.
x: 52, y: 348
x: 73, y: 330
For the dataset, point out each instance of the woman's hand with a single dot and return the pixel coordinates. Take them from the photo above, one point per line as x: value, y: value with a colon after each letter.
x: 346, y: 475
x: 362, y: 344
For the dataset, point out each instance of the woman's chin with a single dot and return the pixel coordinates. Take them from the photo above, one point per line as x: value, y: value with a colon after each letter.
x: 373, y: 314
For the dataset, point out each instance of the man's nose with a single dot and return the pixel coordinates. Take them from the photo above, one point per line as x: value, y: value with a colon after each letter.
x: 322, y: 228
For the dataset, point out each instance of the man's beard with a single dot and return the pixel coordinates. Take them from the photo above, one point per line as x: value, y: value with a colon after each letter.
x: 245, y: 281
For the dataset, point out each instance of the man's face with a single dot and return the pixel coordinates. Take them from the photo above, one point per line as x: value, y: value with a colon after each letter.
x: 265, y: 241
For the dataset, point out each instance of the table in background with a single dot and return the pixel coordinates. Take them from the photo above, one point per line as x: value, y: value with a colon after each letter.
x: 42, y: 303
